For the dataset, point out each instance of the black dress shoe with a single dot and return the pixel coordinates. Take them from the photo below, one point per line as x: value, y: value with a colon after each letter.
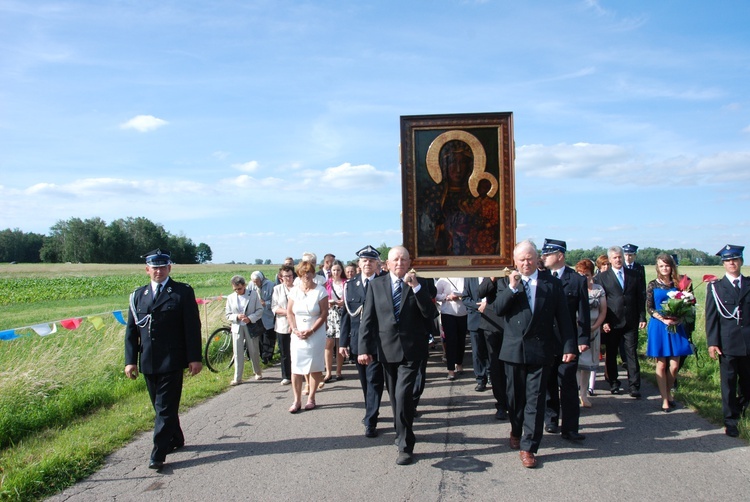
x: 481, y: 387
x: 371, y: 432
x: 732, y: 431
x: 572, y: 436
x: 501, y: 414
x: 156, y: 464
x: 404, y: 458
x: 552, y: 428
x: 615, y: 389
x: 635, y: 393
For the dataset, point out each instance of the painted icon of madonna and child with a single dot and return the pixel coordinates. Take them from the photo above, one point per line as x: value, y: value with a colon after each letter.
x: 458, y: 211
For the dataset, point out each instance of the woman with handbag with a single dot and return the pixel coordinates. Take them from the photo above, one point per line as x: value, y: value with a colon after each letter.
x: 244, y: 311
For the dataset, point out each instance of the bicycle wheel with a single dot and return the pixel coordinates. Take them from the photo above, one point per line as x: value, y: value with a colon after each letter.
x: 218, y: 354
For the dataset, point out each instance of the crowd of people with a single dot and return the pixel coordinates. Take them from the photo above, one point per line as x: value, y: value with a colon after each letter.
x: 537, y: 335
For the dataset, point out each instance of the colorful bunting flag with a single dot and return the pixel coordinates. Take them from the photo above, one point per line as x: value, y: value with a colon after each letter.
x: 71, y: 323
x: 97, y: 321
x: 118, y: 316
x: 8, y: 334
x: 45, y: 329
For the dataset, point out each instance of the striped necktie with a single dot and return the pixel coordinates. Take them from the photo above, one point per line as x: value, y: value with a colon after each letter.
x: 397, y: 299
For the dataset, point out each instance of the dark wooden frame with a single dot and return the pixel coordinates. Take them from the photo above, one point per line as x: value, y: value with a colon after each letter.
x: 489, y: 137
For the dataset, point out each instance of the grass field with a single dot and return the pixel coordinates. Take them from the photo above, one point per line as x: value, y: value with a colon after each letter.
x: 65, y: 403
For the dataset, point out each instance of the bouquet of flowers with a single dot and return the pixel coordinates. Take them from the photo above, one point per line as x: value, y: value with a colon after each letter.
x: 680, y: 306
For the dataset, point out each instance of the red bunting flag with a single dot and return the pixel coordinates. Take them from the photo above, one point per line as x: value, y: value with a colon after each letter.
x: 71, y: 323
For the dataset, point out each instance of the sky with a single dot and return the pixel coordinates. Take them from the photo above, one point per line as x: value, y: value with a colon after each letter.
x: 269, y: 128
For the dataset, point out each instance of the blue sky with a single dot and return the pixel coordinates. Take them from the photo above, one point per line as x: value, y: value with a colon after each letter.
x: 269, y: 128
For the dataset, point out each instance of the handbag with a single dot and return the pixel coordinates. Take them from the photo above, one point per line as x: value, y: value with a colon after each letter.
x: 256, y: 328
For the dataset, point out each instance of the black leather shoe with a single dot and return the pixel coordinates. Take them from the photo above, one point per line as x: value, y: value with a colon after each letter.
x: 635, y: 393
x: 156, y: 464
x: 371, y: 432
x: 615, y: 389
x: 732, y: 431
x: 404, y: 458
x: 572, y: 436
x: 501, y: 415
x: 481, y: 387
x: 552, y: 428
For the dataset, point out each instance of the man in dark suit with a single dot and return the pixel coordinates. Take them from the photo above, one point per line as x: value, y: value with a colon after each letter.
x: 163, y: 334
x: 630, y: 252
x: 562, y: 387
x: 371, y: 376
x: 728, y: 335
x: 531, y: 303
x: 626, y: 314
x: 393, y: 326
x: 479, y: 358
x: 492, y: 330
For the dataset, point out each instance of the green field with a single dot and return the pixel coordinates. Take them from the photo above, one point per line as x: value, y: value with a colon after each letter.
x: 65, y: 402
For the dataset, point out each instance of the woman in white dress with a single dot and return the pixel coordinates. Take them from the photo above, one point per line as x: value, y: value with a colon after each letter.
x: 307, y: 312
x: 243, y: 309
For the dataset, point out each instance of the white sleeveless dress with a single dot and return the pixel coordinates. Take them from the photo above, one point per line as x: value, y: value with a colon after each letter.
x: 308, y: 356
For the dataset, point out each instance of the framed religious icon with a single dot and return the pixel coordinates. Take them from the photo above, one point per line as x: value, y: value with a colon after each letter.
x: 458, y: 195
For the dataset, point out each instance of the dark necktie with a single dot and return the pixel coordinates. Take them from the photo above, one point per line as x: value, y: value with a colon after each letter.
x: 621, y: 279
x: 367, y: 281
x: 527, y: 289
x: 158, y: 291
x: 555, y: 274
x: 736, y: 283
x: 397, y: 299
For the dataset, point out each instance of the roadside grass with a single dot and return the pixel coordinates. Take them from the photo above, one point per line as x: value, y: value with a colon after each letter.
x: 65, y: 403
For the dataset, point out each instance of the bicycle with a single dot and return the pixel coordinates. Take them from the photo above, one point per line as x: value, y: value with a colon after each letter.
x: 219, y: 354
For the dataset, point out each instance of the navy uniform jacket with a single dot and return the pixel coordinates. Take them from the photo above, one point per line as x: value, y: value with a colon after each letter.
x: 731, y: 337
x: 173, y: 337
x: 354, y: 298
x: 531, y: 338
x: 379, y: 332
x: 576, y: 290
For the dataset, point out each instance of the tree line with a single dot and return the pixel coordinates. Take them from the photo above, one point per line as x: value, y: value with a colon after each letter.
x: 94, y: 241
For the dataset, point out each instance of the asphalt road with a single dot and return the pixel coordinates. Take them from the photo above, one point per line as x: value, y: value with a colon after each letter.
x: 244, y: 445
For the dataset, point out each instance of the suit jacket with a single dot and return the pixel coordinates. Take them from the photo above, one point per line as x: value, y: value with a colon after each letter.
x: 471, y: 299
x: 265, y: 293
x: 172, y: 337
x: 490, y: 321
x: 253, y: 309
x: 732, y: 337
x: 625, y: 307
x: 577, y: 295
x: 531, y: 338
x: 354, y: 299
x: 392, y: 341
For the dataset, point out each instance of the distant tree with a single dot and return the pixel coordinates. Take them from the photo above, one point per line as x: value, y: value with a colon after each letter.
x: 383, y: 250
x: 203, y: 253
x: 267, y: 262
x: 21, y: 247
x: 258, y: 261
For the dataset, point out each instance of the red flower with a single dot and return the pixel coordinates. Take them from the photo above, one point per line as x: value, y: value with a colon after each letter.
x: 709, y: 278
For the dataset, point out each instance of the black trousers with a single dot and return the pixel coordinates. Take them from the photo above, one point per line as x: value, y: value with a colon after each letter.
x: 527, y: 386
x: 165, y: 391
x: 285, y: 340
x: 267, y: 344
x: 562, y: 396
x: 479, y: 358
x: 735, y: 386
x: 372, y: 381
x: 496, y: 369
x: 454, y: 329
x: 630, y: 338
x: 400, y: 379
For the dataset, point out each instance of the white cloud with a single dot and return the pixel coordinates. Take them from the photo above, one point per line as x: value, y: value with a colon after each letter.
x: 144, y: 123
x: 349, y: 177
x: 579, y: 160
x: 247, y: 167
